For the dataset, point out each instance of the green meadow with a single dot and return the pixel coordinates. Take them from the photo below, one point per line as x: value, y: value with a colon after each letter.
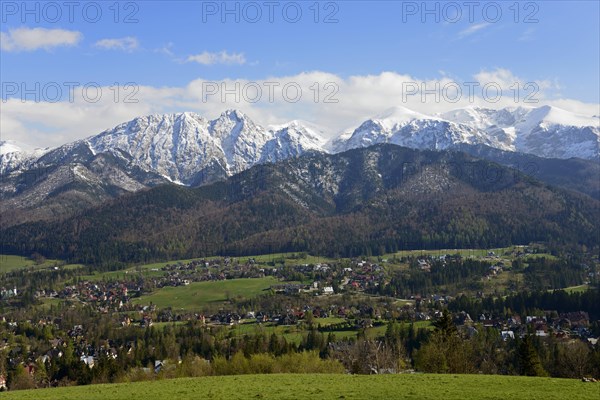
x: 10, y: 263
x: 325, y: 386
x: 199, y: 294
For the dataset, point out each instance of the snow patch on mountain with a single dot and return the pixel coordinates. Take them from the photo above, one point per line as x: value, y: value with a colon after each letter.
x: 16, y: 156
x: 544, y: 131
x: 188, y: 149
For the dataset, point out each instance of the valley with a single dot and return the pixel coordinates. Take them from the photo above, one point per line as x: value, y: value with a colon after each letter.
x: 367, y: 261
x: 293, y: 302
x: 299, y: 200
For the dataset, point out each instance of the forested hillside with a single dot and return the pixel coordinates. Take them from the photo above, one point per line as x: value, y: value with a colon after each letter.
x: 366, y: 201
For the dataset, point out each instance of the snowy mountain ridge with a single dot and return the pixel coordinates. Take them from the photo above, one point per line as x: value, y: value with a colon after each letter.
x: 184, y: 148
x: 544, y: 131
x: 189, y: 149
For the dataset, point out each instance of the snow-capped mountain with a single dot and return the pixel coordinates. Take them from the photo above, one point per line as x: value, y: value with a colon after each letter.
x: 191, y: 150
x: 544, y: 131
x: 408, y: 128
x: 11, y: 155
x: 184, y: 148
x: 292, y: 140
x: 10, y: 146
x: 14, y: 155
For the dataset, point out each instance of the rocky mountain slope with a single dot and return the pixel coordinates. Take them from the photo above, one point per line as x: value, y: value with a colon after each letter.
x: 183, y: 148
x: 190, y: 150
x: 363, y: 201
x: 544, y: 131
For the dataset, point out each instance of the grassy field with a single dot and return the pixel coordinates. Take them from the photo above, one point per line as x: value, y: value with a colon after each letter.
x: 576, y: 289
x: 462, y: 252
x: 163, y: 264
x: 10, y: 263
x: 294, y: 333
x: 313, y: 386
x: 198, y: 294
x: 128, y: 274
x: 289, y: 258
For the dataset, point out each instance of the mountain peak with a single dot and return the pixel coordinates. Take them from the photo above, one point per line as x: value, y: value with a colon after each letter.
x: 188, y: 148
x: 10, y: 146
x: 233, y: 114
x: 545, y: 131
x: 400, y: 114
x: 13, y: 146
x: 559, y: 116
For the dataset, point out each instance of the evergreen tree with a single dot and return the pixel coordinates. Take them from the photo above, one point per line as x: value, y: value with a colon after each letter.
x: 529, y: 360
x: 445, y: 326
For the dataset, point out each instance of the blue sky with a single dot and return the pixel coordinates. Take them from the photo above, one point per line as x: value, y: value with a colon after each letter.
x: 172, y: 44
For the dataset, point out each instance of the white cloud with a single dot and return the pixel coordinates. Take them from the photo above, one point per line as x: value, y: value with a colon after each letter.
x: 472, y: 29
x: 128, y: 43
x: 509, y: 82
x: 222, y: 57
x: 30, y: 39
x: 358, y: 98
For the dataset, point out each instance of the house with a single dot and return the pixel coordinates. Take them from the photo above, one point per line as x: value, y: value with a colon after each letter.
x: 424, y: 265
x: 54, y: 353
x: 495, y: 269
x: 5, y: 294
x: 44, y: 358
x: 463, y: 318
x: 328, y: 290
x: 507, y: 335
x: 288, y: 320
x: 30, y: 368
x: 262, y: 317
x: 579, y: 319
x: 146, y: 322
x: 158, y: 365
x: 88, y: 360
x: 290, y: 288
x: 77, y: 331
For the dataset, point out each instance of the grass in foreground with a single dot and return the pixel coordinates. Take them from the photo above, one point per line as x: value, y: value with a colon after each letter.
x: 324, y: 386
